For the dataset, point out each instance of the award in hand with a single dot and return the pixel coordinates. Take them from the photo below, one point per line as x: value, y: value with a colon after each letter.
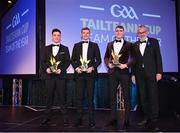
x: 115, y: 59
x: 54, y: 64
x: 84, y: 64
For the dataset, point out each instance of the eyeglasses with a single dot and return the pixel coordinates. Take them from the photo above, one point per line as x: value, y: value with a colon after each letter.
x: 142, y: 32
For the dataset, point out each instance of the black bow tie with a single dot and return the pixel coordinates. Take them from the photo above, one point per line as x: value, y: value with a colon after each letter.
x: 84, y: 41
x: 117, y: 40
x: 55, y: 45
x: 142, y: 42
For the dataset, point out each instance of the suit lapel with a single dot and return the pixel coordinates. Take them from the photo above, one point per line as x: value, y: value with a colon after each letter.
x: 50, y: 50
x: 123, y: 47
x: 59, y: 51
x: 138, y: 48
x: 88, y: 51
x: 111, y: 47
x: 80, y: 49
x: 146, y: 48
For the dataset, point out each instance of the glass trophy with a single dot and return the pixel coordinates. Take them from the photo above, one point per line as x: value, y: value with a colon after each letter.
x: 115, y: 59
x: 84, y: 64
x: 54, y: 64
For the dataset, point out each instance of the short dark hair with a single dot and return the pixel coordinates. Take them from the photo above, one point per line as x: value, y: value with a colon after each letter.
x: 85, y: 28
x: 120, y: 27
x: 56, y: 30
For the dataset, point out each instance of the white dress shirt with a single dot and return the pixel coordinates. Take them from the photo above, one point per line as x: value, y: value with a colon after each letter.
x: 55, y: 49
x: 85, y: 50
x: 142, y: 47
x: 117, y: 46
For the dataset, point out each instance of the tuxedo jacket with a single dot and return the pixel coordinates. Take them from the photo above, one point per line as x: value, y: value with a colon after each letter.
x: 62, y: 56
x: 127, y: 56
x: 93, y: 54
x: 151, y: 61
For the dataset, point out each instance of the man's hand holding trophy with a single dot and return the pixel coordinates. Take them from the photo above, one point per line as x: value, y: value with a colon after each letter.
x: 54, y: 66
x: 84, y: 66
x: 115, y: 61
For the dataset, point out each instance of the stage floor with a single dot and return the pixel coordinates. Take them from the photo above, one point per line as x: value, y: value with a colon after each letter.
x: 27, y: 119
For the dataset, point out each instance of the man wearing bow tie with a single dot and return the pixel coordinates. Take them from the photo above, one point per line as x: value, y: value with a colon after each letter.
x: 119, y: 73
x: 85, y: 60
x: 147, y: 71
x: 55, y: 61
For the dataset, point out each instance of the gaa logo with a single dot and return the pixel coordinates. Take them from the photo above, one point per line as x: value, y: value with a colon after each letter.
x: 15, y: 20
x: 123, y: 11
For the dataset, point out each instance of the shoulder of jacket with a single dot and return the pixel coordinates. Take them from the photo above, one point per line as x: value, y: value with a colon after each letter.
x: 152, y: 39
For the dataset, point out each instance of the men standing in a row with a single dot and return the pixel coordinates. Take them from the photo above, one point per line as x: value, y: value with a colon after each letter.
x: 147, y: 72
x: 85, y: 60
x: 118, y: 58
x: 55, y: 61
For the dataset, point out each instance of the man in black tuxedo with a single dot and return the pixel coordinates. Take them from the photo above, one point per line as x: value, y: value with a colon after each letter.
x: 118, y: 70
x: 55, y: 61
x: 147, y: 71
x: 85, y: 60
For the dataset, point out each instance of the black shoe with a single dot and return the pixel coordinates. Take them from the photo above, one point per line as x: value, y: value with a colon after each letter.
x: 153, y: 127
x: 112, y: 123
x: 143, y: 123
x: 126, y: 124
x: 91, y: 124
x: 66, y: 122
x: 156, y: 129
x: 46, y: 122
x: 78, y: 123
